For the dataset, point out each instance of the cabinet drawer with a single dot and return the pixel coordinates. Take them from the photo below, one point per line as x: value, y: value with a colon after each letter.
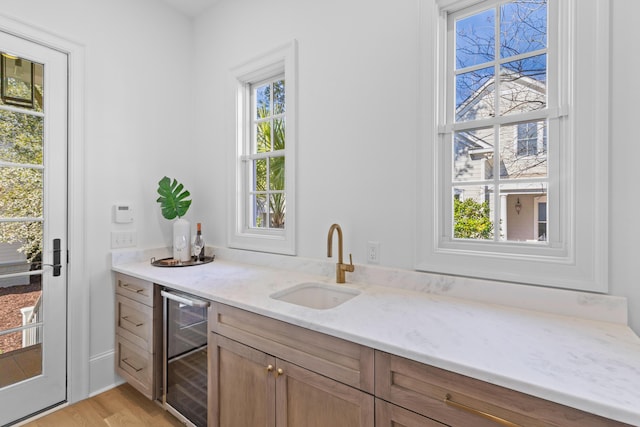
x: 458, y: 400
x: 135, y: 365
x: 134, y: 288
x: 390, y: 415
x: 344, y: 361
x: 134, y: 321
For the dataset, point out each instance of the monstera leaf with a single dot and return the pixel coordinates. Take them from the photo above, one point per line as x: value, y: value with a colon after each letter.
x: 172, y: 198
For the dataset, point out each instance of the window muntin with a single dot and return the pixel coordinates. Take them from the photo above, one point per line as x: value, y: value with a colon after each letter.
x: 493, y: 147
x: 267, y: 195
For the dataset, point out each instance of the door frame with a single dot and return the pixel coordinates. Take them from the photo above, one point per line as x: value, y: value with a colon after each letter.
x: 78, y: 295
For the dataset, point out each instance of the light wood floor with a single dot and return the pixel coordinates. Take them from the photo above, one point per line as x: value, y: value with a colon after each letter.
x: 20, y: 364
x: 119, y: 407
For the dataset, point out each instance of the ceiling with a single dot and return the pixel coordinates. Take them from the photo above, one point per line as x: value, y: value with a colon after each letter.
x: 190, y: 8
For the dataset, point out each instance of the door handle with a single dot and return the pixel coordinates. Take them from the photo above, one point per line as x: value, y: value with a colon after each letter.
x: 57, y: 267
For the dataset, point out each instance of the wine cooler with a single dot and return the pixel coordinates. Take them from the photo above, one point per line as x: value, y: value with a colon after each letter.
x: 184, y: 390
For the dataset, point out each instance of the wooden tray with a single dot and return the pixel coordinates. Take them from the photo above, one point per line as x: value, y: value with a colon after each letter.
x: 170, y: 262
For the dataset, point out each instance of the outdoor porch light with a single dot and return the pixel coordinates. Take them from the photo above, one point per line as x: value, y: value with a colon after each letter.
x: 17, y: 83
x: 518, y: 206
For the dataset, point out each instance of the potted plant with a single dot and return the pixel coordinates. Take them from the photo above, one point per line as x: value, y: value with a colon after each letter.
x: 174, y: 204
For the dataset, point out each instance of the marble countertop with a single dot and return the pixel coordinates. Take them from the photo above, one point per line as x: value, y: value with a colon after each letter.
x: 591, y: 365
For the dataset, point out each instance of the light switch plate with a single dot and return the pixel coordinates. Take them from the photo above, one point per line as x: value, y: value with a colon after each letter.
x: 123, y: 239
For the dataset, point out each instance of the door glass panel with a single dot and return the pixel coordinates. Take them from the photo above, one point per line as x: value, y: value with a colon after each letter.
x: 21, y: 218
x: 21, y: 137
x: 21, y: 194
x: 21, y: 82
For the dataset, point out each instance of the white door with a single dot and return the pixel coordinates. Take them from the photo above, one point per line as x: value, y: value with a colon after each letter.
x: 33, y: 228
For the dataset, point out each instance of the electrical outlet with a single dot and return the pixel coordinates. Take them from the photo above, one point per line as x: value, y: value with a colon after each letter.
x: 373, y: 252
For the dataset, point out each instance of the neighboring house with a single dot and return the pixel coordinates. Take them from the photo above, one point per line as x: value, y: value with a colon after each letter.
x: 522, y: 156
x: 12, y: 261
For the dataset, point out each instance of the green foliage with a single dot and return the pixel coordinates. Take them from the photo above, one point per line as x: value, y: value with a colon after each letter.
x: 172, y: 198
x: 21, y: 187
x: 268, y: 140
x: 472, y: 220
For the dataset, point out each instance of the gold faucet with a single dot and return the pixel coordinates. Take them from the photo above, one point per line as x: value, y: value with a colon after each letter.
x: 341, y: 268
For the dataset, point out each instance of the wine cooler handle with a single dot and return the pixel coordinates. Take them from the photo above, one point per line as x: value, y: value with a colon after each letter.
x: 184, y: 299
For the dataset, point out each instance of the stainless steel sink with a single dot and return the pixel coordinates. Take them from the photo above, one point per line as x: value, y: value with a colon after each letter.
x: 320, y: 296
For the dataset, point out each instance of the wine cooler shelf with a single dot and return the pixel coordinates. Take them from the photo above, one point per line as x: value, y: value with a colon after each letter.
x: 188, y: 385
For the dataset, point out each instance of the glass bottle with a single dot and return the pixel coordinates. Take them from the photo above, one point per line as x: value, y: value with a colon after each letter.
x: 198, y: 245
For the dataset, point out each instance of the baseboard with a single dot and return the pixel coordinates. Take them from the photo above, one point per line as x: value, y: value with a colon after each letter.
x: 102, y: 373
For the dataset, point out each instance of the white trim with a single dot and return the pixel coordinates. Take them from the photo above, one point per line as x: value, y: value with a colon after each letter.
x: 103, y: 374
x: 78, y: 292
x: 450, y: 6
x: 279, y: 61
x: 577, y: 258
x: 107, y: 388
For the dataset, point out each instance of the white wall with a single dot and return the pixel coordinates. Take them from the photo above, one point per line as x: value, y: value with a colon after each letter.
x: 137, y: 127
x: 358, y: 129
x: 358, y: 121
x: 625, y: 151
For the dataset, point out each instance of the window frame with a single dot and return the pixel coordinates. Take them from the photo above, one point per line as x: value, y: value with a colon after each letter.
x: 281, y: 62
x: 576, y: 257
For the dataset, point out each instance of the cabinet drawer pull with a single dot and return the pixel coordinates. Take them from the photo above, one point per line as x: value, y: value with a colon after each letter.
x: 270, y: 368
x: 126, y: 361
x: 279, y: 372
x: 448, y: 400
x: 136, y: 324
x: 132, y: 288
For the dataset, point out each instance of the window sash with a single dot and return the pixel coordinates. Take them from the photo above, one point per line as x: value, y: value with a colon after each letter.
x: 449, y: 125
x: 251, y: 148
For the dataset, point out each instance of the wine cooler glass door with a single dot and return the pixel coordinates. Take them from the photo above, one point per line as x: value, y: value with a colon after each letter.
x: 185, y: 362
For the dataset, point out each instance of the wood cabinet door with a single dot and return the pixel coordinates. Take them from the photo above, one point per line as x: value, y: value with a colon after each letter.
x: 307, y: 399
x: 242, y: 385
x: 390, y: 415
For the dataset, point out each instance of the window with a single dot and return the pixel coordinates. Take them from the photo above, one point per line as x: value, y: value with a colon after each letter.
x: 497, y: 75
x: 504, y: 190
x: 263, y: 203
x: 531, y: 139
x: 266, y: 192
